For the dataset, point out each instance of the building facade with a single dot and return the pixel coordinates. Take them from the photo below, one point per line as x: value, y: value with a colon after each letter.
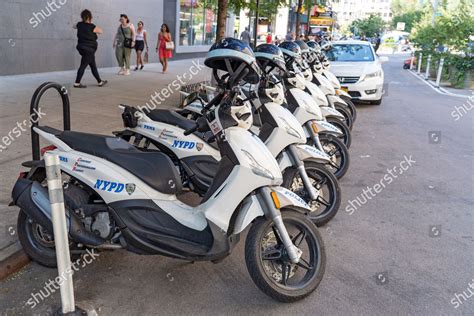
x: 38, y: 35
x: 350, y: 10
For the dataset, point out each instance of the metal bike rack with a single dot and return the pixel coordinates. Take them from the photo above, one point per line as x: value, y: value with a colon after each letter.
x: 56, y: 199
x: 35, y: 100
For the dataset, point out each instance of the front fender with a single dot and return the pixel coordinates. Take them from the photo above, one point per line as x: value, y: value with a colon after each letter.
x: 333, y: 99
x: 330, y: 112
x: 290, y: 199
x: 343, y: 93
x: 326, y: 127
x: 310, y: 153
x: 250, y: 209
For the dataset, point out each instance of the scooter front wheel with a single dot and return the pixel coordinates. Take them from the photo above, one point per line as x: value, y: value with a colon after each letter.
x: 338, y: 153
x: 346, y: 113
x: 346, y: 132
x: 327, y: 204
x: 268, y: 262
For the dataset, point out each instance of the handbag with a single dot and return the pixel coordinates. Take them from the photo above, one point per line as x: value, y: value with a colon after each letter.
x: 127, y: 42
x: 145, y: 59
x: 169, y: 45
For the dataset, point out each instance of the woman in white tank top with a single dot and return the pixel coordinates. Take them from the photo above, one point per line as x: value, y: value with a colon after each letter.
x: 140, y: 44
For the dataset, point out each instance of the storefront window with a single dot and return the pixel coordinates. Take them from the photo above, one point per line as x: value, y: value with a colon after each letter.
x: 197, y: 22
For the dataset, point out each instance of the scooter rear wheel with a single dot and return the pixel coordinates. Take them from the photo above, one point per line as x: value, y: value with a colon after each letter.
x: 269, y: 265
x: 326, y: 206
x: 37, y: 242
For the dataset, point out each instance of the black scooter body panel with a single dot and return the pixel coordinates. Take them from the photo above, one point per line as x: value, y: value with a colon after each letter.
x: 201, y: 171
x: 147, y: 229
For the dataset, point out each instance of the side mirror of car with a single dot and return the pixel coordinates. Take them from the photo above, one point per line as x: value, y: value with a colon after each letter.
x: 383, y: 59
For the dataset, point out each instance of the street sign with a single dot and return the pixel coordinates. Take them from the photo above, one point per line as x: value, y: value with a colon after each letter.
x: 400, y: 26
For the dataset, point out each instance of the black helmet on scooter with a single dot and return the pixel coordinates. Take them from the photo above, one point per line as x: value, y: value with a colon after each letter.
x: 233, y: 56
x: 290, y: 50
x: 313, y: 46
x: 269, y: 56
x: 292, y: 53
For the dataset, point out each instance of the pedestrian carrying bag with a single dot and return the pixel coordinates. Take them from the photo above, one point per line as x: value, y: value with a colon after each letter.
x: 127, y: 42
x: 169, y: 45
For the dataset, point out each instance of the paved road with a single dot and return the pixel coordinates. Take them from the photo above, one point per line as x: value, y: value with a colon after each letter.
x: 407, y: 250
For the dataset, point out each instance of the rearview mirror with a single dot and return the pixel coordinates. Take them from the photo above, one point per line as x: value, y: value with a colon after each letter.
x: 383, y: 59
x: 190, y: 98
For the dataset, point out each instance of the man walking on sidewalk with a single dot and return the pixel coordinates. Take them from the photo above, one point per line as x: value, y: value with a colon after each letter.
x: 246, y: 36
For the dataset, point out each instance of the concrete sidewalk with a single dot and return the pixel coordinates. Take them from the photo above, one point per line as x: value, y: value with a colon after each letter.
x: 93, y: 110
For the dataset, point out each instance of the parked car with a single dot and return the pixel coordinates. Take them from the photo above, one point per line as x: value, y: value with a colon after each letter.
x: 358, y: 69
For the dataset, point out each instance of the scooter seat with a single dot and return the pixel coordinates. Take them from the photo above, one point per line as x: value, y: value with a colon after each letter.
x: 154, y: 168
x: 172, y: 118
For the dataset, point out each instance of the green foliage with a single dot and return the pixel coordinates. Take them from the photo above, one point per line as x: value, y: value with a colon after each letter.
x: 369, y: 26
x: 267, y: 8
x: 451, y: 30
x: 400, y: 7
x: 410, y: 18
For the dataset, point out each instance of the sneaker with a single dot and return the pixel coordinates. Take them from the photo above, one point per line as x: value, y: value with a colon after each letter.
x: 121, y: 71
x: 127, y: 72
x: 79, y: 85
x: 141, y: 67
x: 136, y: 68
x: 103, y: 83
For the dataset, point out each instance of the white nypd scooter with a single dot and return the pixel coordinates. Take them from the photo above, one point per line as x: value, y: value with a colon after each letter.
x: 303, y: 166
x: 331, y: 115
x: 119, y: 196
x: 326, y: 79
x: 308, y: 114
x: 312, y: 68
x: 320, y: 133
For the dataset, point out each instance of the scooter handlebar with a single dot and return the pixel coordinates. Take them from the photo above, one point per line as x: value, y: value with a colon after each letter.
x: 191, y: 130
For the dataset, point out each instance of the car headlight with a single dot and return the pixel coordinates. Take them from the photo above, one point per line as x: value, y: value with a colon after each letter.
x: 257, y: 168
x: 376, y: 74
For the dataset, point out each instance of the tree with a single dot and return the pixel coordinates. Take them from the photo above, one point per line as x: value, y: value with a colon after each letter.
x: 369, y: 26
x: 409, y: 18
x: 298, y: 17
x: 222, y: 6
x: 266, y: 9
x: 452, y: 30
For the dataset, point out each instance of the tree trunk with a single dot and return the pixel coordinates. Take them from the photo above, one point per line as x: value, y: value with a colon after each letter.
x: 298, y: 23
x: 221, y: 19
x: 309, y: 16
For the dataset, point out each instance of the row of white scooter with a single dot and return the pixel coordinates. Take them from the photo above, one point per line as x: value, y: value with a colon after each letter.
x: 264, y: 152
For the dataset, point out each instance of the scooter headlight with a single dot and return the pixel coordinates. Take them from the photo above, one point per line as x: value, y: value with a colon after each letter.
x: 290, y: 130
x: 257, y: 168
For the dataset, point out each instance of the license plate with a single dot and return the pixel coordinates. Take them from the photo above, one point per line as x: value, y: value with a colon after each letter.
x: 346, y: 89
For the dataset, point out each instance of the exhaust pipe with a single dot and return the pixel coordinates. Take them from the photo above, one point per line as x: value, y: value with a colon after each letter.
x: 33, y: 199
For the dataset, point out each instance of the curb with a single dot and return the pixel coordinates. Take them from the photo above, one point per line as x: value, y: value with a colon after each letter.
x: 13, y: 264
